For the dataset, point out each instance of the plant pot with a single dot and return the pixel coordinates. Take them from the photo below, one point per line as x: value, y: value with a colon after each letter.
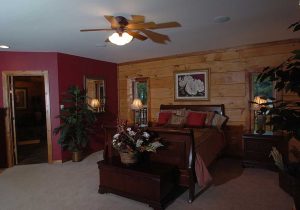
x: 77, y: 156
x: 290, y: 185
x: 128, y: 158
x: 297, y: 196
x: 287, y: 182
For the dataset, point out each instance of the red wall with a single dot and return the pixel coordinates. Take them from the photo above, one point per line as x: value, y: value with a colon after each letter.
x: 17, y: 61
x: 65, y: 70
x: 72, y: 70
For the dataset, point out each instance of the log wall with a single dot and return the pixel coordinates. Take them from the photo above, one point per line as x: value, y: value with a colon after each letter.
x: 230, y: 73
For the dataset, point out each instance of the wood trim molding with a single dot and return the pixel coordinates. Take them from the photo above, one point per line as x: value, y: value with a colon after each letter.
x: 288, y: 41
x: 6, y: 104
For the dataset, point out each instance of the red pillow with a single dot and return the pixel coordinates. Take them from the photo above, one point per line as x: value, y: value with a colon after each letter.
x: 164, y: 117
x: 196, y: 119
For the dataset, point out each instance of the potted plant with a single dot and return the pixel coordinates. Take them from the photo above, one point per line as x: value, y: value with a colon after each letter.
x: 285, y: 115
x: 77, y: 120
x: 130, y: 142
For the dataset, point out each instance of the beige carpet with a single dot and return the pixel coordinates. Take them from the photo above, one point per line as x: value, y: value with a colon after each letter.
x: 74, y: 186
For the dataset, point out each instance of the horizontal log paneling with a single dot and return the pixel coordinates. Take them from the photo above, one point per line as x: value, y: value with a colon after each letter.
x: 229, y: 77
x: 228, y: 90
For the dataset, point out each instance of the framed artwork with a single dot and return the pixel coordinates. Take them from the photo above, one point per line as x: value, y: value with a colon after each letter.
x: 20, y: 98
x: 192, y: 85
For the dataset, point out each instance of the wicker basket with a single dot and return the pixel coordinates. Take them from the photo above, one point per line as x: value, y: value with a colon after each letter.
x: 128, y: 158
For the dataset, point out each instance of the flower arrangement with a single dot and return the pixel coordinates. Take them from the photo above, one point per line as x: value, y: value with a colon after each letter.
x: 134, y: 139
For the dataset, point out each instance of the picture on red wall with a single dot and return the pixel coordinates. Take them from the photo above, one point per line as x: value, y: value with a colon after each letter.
x: 192, y: 85
x: 20, y: 98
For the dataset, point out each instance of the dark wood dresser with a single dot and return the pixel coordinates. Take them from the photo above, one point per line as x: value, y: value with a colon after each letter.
x: 257, y: 149
x: 3, y: 157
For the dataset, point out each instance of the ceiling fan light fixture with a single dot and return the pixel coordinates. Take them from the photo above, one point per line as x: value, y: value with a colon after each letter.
x: 120, y: 39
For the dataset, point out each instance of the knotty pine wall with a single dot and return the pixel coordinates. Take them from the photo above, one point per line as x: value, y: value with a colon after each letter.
x: 230, y: 71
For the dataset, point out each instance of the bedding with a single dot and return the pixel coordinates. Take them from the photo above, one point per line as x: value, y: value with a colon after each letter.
x: 208, y: 143
x: 192, y: 149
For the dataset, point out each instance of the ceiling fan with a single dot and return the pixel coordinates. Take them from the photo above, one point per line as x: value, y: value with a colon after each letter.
x: 126, y: 29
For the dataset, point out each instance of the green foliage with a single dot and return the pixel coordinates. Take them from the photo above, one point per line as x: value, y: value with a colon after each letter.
x: 285, y: 115
x: 295, y: 26
x: 264, y: 88
x: 77, y: 120
x: 142, y: 92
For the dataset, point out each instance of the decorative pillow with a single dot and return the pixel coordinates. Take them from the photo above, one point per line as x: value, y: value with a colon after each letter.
x: 195, y: 119
x: 179, y: 112
x: 209, y: 118
x: 163, y: 118
x: 168, y: 110
x: 176, y: 121
x: 219, y: 120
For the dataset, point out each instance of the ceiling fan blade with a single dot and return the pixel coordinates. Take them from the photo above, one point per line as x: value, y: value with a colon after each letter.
x: 156, y: 37
x: 166, y: 25
x: 137, y: 35
x: 137, y: 19
x: 100, y: 29
x: 141, y: 25
x: 109, y: 18
x: 113, y: 22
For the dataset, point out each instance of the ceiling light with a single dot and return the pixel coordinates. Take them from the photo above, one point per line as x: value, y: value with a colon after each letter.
x: 4, y: 46
x: 120, y: 39
x: 221, y: 19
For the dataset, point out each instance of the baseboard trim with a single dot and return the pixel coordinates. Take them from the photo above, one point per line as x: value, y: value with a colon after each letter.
x: 57, y: 161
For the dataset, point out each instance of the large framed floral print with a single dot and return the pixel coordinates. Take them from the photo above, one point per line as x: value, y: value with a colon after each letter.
x: 192, y: 85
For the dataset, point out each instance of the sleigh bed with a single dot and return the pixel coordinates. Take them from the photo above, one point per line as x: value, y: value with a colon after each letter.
x: 191, y: 149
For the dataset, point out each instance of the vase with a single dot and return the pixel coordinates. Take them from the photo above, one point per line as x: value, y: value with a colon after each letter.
x: 290, y: 185
x: 261, y: 124
x: 128, y: 158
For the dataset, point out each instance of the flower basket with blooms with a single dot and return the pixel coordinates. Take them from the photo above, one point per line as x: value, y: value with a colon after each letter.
x: 131, y: 141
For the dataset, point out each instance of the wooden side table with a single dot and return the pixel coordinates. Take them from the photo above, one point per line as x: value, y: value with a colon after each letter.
x: 257, y: 149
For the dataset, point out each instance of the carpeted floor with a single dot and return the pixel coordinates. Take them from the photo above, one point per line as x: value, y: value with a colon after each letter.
x: 74, y: 186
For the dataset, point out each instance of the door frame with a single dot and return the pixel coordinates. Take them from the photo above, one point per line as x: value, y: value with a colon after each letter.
x: 6, y: 103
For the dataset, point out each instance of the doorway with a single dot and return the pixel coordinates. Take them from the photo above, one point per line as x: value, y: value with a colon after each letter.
x: 26, y: 95
x: 30, y: 119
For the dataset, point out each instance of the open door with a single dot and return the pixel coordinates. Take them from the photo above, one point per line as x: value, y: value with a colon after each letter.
x: 12, y: 115
x: 15, y: 99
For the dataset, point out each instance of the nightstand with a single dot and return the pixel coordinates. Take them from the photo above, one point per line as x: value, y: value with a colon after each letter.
x: 257, y: 149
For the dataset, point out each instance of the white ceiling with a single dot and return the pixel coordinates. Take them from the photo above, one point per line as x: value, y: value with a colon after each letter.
x: 53, y: 25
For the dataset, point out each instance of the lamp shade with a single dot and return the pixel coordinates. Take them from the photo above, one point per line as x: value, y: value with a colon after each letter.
x: 95, y: 103
x: 258, y: 101
x: 136, y: 104
x: 120, y: 39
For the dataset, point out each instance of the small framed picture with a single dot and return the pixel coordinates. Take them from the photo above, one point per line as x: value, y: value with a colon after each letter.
x: 192, y: 85
x: 20, y: 98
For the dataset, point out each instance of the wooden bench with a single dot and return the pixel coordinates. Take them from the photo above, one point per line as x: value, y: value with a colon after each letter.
x: 149, y: 183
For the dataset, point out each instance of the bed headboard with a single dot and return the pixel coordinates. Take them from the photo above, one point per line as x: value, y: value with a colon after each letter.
x: 219, y: 108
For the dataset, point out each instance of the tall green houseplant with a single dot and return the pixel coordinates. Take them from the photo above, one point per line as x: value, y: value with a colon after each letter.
x: 77, y: 120
x: 285, y: 115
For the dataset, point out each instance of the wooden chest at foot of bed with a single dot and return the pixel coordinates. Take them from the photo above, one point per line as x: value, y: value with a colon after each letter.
x: 149, y: 183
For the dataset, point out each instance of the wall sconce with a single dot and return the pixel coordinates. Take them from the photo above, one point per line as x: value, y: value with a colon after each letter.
x: 137, y: 105
x: 95, y: 103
